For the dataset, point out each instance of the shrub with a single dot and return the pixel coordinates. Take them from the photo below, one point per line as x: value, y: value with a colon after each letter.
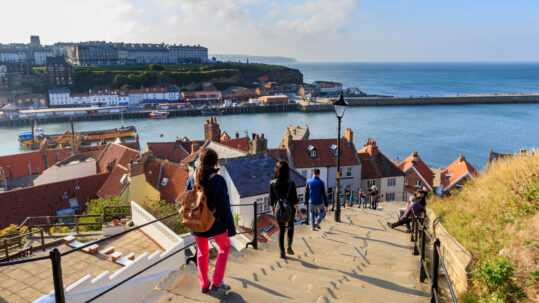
x: 157, y: 67
x: 162, y: 208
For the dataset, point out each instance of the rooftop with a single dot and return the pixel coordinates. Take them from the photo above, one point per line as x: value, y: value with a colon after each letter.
x: 384, y: 167
x: 415, y: 162
x: 299, y: 151
x: 456, y: 171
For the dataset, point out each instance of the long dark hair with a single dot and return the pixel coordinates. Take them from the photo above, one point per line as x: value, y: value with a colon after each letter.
x: 282, y: 171
x: 208, y: 159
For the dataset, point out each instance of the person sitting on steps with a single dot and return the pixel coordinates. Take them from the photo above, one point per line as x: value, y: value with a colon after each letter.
x: 413, y: 209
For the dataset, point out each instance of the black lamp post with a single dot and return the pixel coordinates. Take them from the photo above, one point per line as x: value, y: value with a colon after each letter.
x: 340, y: 107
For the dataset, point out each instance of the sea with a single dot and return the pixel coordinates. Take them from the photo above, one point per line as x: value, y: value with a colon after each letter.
x: 439, y: 133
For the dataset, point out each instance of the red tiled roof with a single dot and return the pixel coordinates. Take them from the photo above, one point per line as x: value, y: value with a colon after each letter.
x: 279, y: 153
x: 44, y: 200
x: 238, y: 143
x: 115, y: 183
x: 172, y: 151
x: 56, y: 155
x: 384, y: 166
x: 176, y: 175
x: 422, y: 169
x: 456, y: 171
x: 116, y: 154
x: 368, y: 167
x: 300, y: 154
x: 23, y: 164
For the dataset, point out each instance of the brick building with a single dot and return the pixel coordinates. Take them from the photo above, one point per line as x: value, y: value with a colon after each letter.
x: 456, y: 175
x: 59, y: 72
x: 417, y: 174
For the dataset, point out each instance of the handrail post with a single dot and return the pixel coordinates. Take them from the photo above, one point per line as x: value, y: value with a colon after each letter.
x: 416, y: 235
x: 42, y: 239
x: 49, y: 225
x: 77, y: 223
x: 57, y: 275
x: 255, y: 238
x: 104, y: 214
x: 6, y: 248
x: 423, y: 270
x: 435, y: 269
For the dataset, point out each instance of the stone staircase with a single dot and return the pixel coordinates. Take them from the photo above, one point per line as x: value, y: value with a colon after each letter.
x: 357, y: 260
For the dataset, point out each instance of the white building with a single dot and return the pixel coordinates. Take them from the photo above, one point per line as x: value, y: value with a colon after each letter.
x: 40, y: 56
x: 59, y: 97
x: 104, y: 97
x: 247, y: 179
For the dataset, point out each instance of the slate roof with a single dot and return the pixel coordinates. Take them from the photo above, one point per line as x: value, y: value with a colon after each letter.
x: 44, y: 200
x: 223, y: 152
x: 456, y: 171
x: 251, y: 174
x: 177, y: 178
x: 172, y: 151
x: 385, y: 167
x: 301, y: 159
x: 416, y: 162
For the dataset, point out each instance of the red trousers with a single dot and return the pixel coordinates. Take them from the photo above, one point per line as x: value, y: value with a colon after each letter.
x: 202, y: 259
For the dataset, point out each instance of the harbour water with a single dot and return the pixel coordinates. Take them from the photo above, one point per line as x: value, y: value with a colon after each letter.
x: 438, y: 132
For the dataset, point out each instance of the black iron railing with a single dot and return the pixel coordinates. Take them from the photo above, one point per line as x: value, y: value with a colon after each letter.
x: 419, y: 236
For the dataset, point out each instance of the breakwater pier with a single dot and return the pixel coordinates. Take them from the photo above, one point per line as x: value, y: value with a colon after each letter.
x: 319, y: 106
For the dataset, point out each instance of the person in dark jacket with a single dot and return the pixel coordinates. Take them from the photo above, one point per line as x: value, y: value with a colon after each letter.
x: 421, y: 196
x: 413, y: 208
x: 278, y: 188
x: 216, y: 193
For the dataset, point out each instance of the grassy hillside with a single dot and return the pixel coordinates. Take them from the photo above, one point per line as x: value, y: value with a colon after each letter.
x: 495, y: 217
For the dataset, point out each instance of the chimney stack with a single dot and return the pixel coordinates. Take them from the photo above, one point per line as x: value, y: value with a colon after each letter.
x: 259, y: 145
x: 349, y: 135
x: 194, y: 147
x: 237, y: 135
x: 212, y: 131
x: 287, y: 140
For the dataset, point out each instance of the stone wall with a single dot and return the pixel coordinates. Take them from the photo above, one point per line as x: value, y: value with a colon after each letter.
x: 457, y: 258
x: 483, y: 99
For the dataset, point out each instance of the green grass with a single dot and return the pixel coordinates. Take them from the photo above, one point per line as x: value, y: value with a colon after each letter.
x: 493, y: 217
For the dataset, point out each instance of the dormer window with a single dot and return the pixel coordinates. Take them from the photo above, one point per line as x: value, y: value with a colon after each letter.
x: 312, y: 151
x: 334, y: 150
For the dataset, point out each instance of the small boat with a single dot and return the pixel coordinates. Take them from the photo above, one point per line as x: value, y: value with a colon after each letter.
x: 211, y: 112
x: 158, y: 114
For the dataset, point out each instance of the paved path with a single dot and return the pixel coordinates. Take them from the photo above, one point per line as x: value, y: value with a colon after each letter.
x: 358, y: 260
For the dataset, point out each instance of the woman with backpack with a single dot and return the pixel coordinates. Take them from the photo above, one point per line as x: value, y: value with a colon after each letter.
x: 283, y: 200
x: 222, y: 226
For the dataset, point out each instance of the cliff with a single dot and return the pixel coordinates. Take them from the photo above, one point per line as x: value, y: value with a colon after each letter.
x: 222, y: 75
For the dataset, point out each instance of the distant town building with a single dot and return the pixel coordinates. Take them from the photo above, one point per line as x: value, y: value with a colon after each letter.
x: 328, y: 88
x: 108, y: 53
x: 378, y: 170
x: 3, y: 77
x: 456, y: 175
x: 277, y: 99
x: 202, y: 97
x: 59, y: 97
x: 110, y: 97
x: 59, y: 72
x: 34, y: 41
x: 27, y: 101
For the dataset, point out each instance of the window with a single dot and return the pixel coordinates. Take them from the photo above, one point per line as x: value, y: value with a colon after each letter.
x: 418, y: 183
x: 405, y: 181
x: 262, y: 205
x: 349, y: 171
x: 390, y: 196
x: 371, y: 183
x: 334, y: 150
x: 312, y: 151
x: 304, y: 173
x: 391, y: 182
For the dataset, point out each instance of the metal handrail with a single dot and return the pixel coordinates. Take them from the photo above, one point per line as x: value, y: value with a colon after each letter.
x: 419, y: 228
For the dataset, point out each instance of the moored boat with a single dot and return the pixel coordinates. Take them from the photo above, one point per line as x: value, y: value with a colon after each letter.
x: 158, y: 114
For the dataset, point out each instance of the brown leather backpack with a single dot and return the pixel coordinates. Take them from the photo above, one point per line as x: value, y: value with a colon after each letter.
x: 196, y: 215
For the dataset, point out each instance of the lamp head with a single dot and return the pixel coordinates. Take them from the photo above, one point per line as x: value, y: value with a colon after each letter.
x: 340, y: 106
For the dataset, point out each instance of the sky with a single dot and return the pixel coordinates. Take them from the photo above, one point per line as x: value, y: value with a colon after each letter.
x: 308, y: 30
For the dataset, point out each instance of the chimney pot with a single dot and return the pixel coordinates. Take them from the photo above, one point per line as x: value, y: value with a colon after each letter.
x: 262, y: 135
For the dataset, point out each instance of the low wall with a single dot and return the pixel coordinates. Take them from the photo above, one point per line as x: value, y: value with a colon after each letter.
x: 138, y: 287
x: 158, y: 231
x: 447, y: 100
x: 457, y: 258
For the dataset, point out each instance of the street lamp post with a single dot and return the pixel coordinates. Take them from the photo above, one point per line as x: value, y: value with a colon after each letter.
x: 340, y: 107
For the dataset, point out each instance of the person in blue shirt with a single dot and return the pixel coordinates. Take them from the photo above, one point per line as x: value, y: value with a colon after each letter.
x: 315, y: 195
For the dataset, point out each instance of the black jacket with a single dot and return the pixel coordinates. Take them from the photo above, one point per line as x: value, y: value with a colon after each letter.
x: 281, y: 188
